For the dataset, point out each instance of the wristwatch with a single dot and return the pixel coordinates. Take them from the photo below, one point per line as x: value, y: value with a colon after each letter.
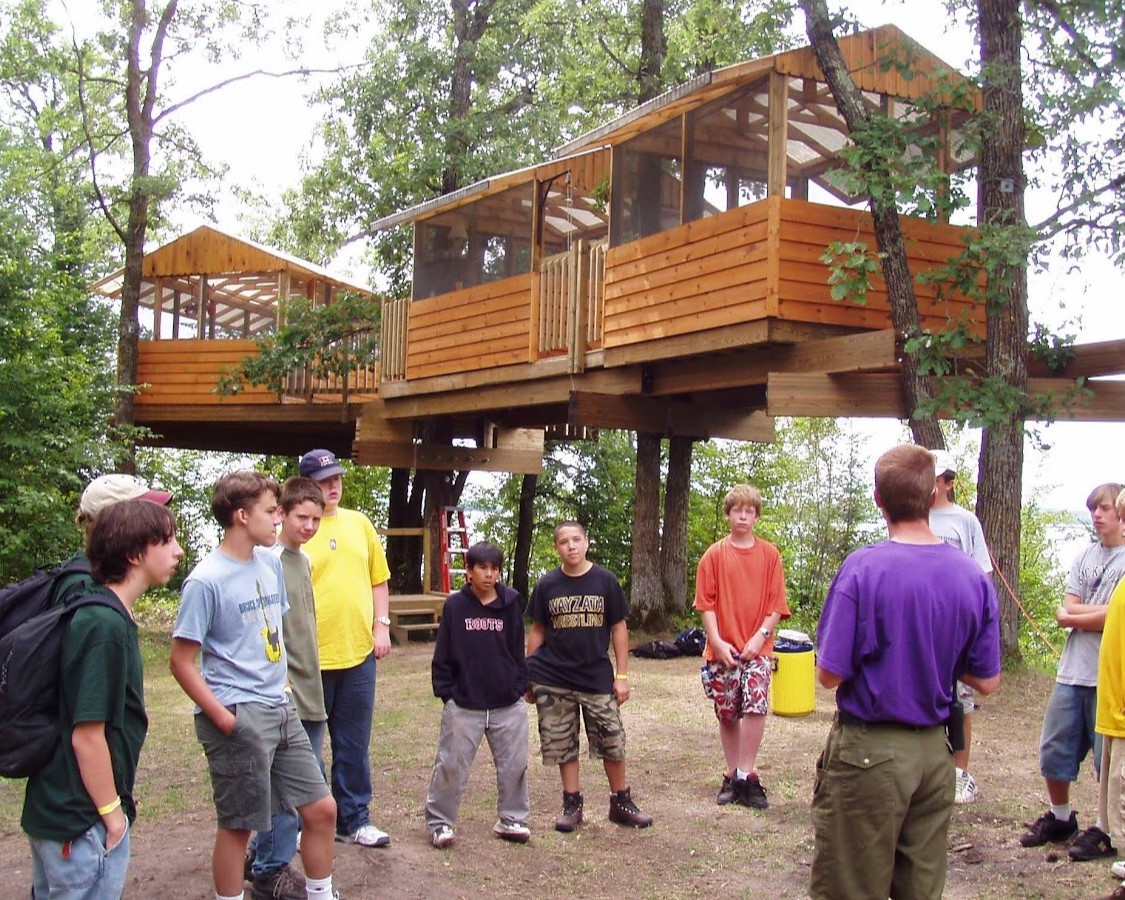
x: 383, y: 620
x: 765, y: 632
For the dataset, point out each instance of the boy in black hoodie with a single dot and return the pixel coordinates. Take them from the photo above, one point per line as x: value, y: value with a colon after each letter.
x: 480, y: 673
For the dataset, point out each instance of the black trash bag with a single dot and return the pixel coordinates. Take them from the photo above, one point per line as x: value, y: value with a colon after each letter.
x: 657, y: 650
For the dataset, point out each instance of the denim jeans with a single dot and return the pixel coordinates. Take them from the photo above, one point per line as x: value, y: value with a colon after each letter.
x: 85, y: 871
x: 275, y: 848
x: 349, y: 698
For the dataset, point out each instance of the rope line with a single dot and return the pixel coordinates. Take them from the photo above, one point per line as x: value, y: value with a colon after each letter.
x: 1035, y: 625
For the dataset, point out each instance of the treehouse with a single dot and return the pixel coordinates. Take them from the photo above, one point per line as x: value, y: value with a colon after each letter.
x: 662, y: 273
x: 660, y: 270
x: 209, y: 297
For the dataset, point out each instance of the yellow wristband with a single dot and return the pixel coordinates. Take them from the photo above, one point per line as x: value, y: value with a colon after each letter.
x: 109, y: 807
x: 621, y: 676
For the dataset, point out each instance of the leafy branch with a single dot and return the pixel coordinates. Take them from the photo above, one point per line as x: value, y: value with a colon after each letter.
x: 324, y: 340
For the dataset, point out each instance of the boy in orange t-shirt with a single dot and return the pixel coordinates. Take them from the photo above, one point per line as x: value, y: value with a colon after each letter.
x: 740, y: 594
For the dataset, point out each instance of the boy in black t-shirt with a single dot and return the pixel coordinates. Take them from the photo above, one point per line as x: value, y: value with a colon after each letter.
x: 78, y: 808
x: 577, y: 611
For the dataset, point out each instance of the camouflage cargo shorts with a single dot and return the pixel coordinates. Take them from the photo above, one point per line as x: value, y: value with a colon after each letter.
x: 558, y: 710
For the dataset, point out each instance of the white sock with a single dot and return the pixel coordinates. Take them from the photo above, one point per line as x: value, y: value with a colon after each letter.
x: 237, y: 896
x: 318, y: 888
x: 1062, y: 812
x: 740, y: 775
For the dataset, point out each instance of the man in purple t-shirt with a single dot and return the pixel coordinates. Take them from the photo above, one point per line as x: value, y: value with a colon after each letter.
x: 902, y: 621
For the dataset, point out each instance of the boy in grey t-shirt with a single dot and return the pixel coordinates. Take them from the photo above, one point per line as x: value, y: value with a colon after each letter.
x: 258, y: 755
x: 1068, y: 723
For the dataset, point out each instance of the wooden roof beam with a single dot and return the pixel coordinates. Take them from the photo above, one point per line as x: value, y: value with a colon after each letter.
x: 880, y: 395
x: 668, y: 417
x: 863, y: 352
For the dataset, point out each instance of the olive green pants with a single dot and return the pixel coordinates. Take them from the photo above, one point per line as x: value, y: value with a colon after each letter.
x: 881, y: 806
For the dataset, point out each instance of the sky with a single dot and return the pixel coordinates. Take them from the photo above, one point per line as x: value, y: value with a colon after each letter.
x: 1063, y: 462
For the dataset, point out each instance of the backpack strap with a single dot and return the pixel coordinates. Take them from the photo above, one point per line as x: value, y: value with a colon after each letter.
x: 72, y: 575
x: 97, y: 598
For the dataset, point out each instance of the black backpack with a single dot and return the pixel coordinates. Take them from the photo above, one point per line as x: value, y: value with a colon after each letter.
x: 691, y: 641
x: 32, y: 627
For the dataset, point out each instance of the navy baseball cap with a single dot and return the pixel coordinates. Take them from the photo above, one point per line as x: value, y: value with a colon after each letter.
x: 320, y: 464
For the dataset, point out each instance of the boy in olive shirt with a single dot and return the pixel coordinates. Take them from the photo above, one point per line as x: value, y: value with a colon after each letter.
x: 302, y: 505
x: 78, y: 808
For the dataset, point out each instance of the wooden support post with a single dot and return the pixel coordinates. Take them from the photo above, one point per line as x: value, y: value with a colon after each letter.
x: 777, y: 135
x: 157, y: 306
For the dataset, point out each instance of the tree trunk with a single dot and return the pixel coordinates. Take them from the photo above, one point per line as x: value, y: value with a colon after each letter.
x: 888, y: 228
x: 404, y: 554
x: 524, y: 530
x: 647, y: 597
x: 1001, y: 203
x: 673, y: 541
x: 653, y: 49
x: 140, y: 100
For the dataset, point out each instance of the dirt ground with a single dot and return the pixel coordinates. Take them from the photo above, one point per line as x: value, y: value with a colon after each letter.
x: 695, y: 848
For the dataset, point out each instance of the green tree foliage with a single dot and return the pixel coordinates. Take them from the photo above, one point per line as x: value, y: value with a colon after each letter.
x: 325, y: 340
x: 54, y: 395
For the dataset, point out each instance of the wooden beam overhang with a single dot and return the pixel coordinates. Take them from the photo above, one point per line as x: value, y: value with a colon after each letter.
x: 385, y: 442
x: 880, y: 395
x: 445, y: 458
x: 668, y: 417
x: 864, y: 352
x: 485, y: 397
x: 732, y: 337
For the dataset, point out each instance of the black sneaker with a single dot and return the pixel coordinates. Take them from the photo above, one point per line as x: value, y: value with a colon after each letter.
x: 282, y: 884
x: 571, y: 816
x: 248, y: 866
x: 1047, y: 829
x: 623, y: 811
x: 749, y: 792
x: 726, y: 792
x: 1093, y: 843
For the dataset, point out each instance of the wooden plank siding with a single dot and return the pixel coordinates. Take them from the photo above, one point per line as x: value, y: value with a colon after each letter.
x: 703, y: 275
x: 805, y: 229
x: 479, y: 328
x: 757, y: 261
x: 186, y: 372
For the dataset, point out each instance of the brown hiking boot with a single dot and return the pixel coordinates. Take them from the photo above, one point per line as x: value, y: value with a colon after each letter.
x: 623, y: 811
x: 571, y: 816
x: 283, y: 884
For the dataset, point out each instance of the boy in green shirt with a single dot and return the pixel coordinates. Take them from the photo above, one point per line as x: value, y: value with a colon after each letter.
x: 78, y: 808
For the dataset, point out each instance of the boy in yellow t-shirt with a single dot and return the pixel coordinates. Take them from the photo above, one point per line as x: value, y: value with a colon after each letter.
x: 349, y: 575
x: 740, y: 595
x: 1110, y: 723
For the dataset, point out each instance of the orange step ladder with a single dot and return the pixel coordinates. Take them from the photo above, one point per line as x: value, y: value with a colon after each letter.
x: 453, y: 536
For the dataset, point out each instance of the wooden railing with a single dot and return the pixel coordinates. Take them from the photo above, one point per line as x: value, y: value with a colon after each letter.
x: 571, y: 301
x: 393, y: 341
x: 303, y: 384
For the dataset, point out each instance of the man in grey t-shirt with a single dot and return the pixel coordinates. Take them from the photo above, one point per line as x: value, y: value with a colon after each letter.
x: 958, y: 526
x: 1068, y: 723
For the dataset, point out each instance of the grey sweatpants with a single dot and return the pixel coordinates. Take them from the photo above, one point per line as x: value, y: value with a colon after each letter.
x: 461, y: 733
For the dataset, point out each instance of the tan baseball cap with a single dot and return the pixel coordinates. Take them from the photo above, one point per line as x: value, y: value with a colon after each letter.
x: 109, y: 489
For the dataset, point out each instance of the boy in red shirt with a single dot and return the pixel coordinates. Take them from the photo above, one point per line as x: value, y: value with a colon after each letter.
x: 740, y: 594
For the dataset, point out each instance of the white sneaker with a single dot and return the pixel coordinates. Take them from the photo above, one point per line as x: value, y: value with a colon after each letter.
x: 298, y: 842
x: 966, y: 788
x: 1117, y: 870
x: 512, y: 831
x: 366, y: 836
x: 442, y: 837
